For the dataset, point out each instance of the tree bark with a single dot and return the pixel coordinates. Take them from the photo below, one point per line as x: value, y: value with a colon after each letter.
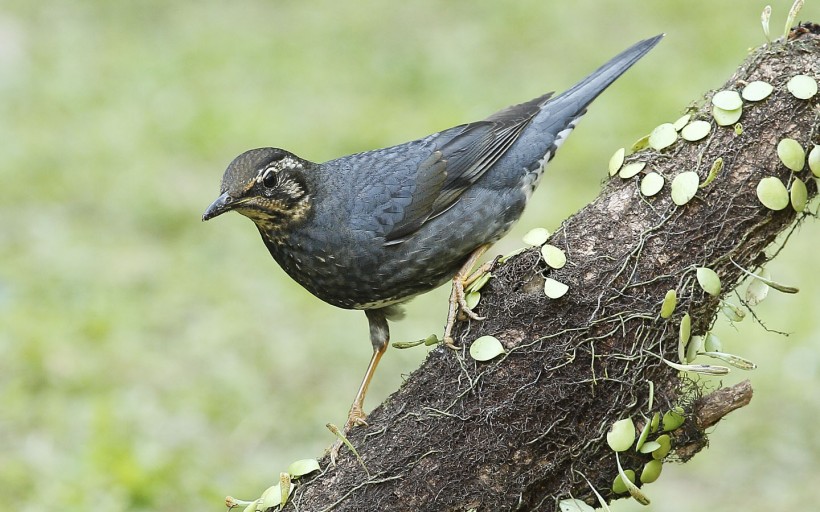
x: 528, y: 428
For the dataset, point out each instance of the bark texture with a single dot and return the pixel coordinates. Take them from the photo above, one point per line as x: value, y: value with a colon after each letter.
x: 527, y: 429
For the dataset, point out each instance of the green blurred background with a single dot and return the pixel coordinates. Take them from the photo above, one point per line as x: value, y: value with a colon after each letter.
x: 149, y: 361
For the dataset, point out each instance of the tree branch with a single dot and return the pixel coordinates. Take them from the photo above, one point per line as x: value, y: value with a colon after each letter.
x: 527, y: 429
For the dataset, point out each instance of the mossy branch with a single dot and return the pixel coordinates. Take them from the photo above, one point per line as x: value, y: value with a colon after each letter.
x: 525, y: 430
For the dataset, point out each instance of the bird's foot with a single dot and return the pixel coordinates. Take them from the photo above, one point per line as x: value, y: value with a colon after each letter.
x: 355, y: 418
x: 458, y: 302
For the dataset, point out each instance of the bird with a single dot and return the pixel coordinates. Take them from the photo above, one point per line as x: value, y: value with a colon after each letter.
x: 371, y: 230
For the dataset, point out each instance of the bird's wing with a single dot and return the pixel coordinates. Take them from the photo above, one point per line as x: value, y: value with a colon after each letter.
x: 459, y: 157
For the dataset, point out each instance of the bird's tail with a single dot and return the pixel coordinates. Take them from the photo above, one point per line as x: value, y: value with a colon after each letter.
x: 573, y: 102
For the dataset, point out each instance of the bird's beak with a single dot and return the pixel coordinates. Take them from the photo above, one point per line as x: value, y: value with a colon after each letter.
x: 222, y: 204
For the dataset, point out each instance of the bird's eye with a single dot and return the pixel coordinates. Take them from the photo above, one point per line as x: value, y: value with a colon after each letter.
x: 269, y: 180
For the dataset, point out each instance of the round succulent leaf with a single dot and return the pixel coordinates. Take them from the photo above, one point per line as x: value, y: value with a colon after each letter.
x: 630, y: 170
x: 693, y: 348
x: 772, y: 193
x: 672, y: 419
x: 655, y: 423
x: 666, y: 446
x: 618, y: 485
x: 696, y: 130
x: 640, y: 144
x: 472, y: 299
x: 670, y: 300
x: 791, y: 153
x: 732, y: 312
x: 486, y: 348
x: 536, y: 237
x: 303, y: 467
x: 727, y: 100
x: 757, y: 90
x: 708, y: 280
x: 726, y: 117
x: 712, y: 343
x: 684, y: 187
x: 616, y: 161
x: 682, y: 121
x: 643, y: 436
x: 553, y: 256
x: 802, y: 87
x: 479, y: 282
x: 814, y: 160
x: 621, y: 435
x: 574, y: 505
x: 684, y: 331
x: 272, y: 497
x: 651, y: 184
x: 651, y: 471
x: 650, y: 446
x: 758, y: 289
x: 554, y: 289
x: 663, y: 136
x: 799, y: 195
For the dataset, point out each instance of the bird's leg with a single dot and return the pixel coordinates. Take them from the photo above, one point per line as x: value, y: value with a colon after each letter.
x: 462, y: 279
x: 379, y: 338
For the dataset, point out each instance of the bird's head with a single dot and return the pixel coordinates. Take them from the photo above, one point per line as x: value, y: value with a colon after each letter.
x: 266, y: 185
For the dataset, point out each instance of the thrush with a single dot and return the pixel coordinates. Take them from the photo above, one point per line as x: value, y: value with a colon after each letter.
x: 371, y: 230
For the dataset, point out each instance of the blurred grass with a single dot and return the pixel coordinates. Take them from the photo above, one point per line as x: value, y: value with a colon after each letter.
x: 150, y: 362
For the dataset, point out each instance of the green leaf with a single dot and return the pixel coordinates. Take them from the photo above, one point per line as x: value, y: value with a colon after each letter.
x: 796, y: 6
x: 574, y: 505
x: 486, y: 348
x: 772, y: 193
x: 708, y: 280
x: 726, y: 117
x: 649, y: 447
x: 665, y: 443
x: 757, y: 290
x: 799, y: 195
x: 303, y: 467
x: 727, y: 100
x: 814, y: 161
x: 553, y: 256
x: 764, y: 20
x: 684, y: 332
x: 621, y: 435
x: 554, y: 289
x: 774, y: 284
x: 670, y: 300
x: 536, y: 237
x: 651, y: 184
x: 663, y: 136
x: 616, y: 161
x: 640, y: 144
x: 712, y: 343
x: 693, y: 348
x: 630, y: 170
x: 673, y: 419
x: 684, y: 187
x: 791, y: 153
x: 651, y: 471
x: 704, y: 369
x: 738, y: 362
x: 472, y: 299
x: 717, y: 166
x: 696, y: 130
x: 757, y: 90
x: 628, y: 479
x: 802, y: 87
x: 682, y: 121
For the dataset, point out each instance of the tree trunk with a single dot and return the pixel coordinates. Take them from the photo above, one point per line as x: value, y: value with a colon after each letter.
x: 528, y: 428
